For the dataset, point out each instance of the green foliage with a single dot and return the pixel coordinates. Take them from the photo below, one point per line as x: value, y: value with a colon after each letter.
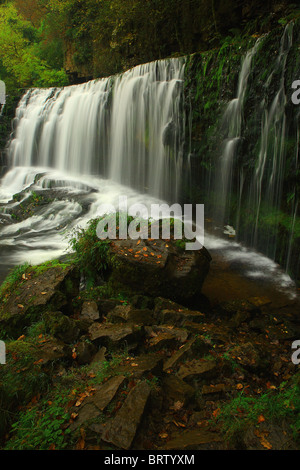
x: 20, y: 379
x: 25, y: 60
x: 91, y: 252
x: 41, y: 427
x: 276, y: 405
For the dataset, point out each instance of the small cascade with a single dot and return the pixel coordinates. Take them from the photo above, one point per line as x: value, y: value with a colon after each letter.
x: 232, y: 129
x: 266, y: 185
x: 248, y: 187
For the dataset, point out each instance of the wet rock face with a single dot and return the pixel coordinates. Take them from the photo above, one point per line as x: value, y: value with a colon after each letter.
x: 159, y: 268
x: 36, y: 294
x: 121, y: 431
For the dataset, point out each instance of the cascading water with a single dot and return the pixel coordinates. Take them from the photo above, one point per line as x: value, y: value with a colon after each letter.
x: 128, y: 128
x: 266, y: 184
x: 88, y: 144
x: 250, y: 195
x: 232, y: 128
x: 81, y: 145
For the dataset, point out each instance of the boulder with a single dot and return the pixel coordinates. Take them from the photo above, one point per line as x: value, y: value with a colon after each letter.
x: 158, y: 268
x: 38, y: 291
x: 122, y: 429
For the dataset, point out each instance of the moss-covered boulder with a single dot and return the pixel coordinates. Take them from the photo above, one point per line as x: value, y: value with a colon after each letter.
x: 28, y: 295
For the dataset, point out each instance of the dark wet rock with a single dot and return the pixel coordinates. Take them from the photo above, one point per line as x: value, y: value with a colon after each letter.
x: 122, y: 429
x: 259, y: 301
x: 99, y: 356
x: 107, y: 305
x: 166, y: 337
x: 198, y: 369
x: 267, y: 436
x: 214, y: 389
x: 89, y: 311
x: 229, y: 309
x: 37, y: 294
x: 141, y: 316
x: 111, y: 335
x: 62, y: 326
x: 125, y: 313
x: 239, y: 317
x: 52, y: 350
x: 85, y: 351
x: 192, y: 439
x: 179, y: 355
x: 178, y: 318
x: 87, y: 413
x: 251, y: 357
x: 176, y: 390
x: 104, y: 393
x: 143, y: 365
x: 142, y: 301
x: 119, y: 314
x: 162, y: 267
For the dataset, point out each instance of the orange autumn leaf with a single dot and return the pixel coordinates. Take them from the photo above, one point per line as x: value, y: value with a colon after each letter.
x: 262, y: 438
x: 261, y: 419
x: 80, y: 444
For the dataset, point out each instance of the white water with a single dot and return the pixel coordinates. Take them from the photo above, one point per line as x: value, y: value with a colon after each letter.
x: 232, y: 123
x: 93, y: 143
x: 127, y: 128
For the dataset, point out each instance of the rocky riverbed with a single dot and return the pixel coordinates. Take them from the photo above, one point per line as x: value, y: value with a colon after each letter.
x: 90, y: 370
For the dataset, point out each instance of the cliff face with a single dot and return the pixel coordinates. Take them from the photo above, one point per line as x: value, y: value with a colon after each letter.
x: 244, y: 139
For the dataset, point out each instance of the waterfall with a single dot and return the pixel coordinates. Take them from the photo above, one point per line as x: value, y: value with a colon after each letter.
x: 232, y: 129
x: 84, y: 146
x: 128, y: 128
x: 266, y: 185
x: 249, y: 187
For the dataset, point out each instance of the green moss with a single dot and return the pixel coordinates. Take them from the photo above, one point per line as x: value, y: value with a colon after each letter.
x: 243, y: 411
x: 21, y: 378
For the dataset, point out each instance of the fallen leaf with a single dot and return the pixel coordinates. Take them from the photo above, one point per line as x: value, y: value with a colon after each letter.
x: 216, y: 412
x: 179, y: 425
